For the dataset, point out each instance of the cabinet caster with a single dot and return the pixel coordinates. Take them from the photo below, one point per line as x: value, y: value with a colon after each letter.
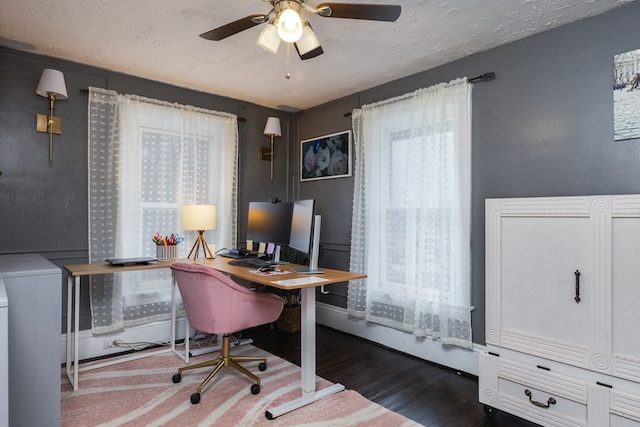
x: 490, y: 411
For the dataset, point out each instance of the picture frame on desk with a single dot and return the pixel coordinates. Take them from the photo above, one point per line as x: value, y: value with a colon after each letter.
x: 326, y: 157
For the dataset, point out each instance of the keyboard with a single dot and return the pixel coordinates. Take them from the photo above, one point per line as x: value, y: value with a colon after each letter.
x: 250, y: 262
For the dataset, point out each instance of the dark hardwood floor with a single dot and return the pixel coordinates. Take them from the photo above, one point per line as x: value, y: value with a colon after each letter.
x: 430, y: 394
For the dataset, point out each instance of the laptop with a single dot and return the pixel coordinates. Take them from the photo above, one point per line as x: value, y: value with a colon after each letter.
x: 237, y: 253
x: 130, y: 261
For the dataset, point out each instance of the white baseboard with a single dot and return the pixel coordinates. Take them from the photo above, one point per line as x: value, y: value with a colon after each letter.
x: 334, y: 317
x: 94, y: 345
x: 453, y: 357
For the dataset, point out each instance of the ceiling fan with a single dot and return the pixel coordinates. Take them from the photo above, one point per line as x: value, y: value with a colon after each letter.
x: 285, y: 22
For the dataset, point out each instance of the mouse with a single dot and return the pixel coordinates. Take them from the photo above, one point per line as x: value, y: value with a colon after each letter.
x: 266, y: 268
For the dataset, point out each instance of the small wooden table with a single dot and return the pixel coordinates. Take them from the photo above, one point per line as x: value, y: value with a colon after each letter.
x: 75, y: 272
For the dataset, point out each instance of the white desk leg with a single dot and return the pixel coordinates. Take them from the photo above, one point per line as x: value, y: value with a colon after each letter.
x: 185, y: 356
x: 69, y: 333
x: 307, y: 362
x: 308, y: 341
x: 73, y: 288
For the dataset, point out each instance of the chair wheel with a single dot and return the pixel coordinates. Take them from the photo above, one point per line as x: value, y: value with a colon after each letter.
x: 262, y: 366
x: 176, y: 378
x: 195, y: 398
x: 255, y: 389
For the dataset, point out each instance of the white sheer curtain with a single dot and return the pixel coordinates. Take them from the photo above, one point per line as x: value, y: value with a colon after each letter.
x: 411, y: 213
x: 146, y: 159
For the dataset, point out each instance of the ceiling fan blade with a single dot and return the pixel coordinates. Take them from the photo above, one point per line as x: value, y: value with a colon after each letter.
x: 234, y: 27
x: 372, y: 12
x: 311, y: 54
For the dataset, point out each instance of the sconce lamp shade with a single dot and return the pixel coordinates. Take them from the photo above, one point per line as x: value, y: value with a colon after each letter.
x: 199, y: 217
x: 273, y: 127
x: 52, y: 82
x: 269, y: 39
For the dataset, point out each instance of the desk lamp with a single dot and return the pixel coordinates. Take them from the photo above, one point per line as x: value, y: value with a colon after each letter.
x: 199, y: 218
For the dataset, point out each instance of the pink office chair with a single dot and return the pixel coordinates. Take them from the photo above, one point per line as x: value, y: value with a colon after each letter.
x: 215, y: 304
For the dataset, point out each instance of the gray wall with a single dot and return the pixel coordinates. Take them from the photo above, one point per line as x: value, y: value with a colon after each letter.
x: 543, y: 127
x: 43, y: 206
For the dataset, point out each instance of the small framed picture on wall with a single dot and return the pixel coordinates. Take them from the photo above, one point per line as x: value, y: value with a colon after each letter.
x: 326, y: 157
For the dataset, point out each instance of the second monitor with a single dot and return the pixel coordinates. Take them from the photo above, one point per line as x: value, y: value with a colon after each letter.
x: 269, y: 222
x: 305, y: 234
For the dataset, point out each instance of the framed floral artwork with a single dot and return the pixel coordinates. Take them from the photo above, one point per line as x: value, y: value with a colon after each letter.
x: 326, y: 157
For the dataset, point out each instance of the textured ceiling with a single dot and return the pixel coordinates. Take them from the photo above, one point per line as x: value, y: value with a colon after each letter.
x: 158, y: 40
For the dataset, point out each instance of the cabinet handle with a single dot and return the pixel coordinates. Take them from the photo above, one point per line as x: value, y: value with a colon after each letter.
x: 577, y: 298
x: 550, y: 402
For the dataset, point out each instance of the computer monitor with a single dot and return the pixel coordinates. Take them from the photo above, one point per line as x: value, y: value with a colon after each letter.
x: 269, y: 222
x: 305, y: 234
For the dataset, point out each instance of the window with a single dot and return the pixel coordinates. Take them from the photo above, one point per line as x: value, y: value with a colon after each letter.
x: 148, y: 158
x: 411, y: 219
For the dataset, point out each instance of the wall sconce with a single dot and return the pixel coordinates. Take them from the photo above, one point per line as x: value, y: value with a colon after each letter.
x: 199, y: 218
x: 272, y: 129
x: 51, y: 86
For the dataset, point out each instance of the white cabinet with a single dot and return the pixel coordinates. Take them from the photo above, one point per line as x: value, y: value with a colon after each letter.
x: 34, y: 292
x: 562, y: 298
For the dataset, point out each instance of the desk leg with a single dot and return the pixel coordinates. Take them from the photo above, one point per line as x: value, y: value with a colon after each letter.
x: 76, y: 330
x: 185, y: 356
x: 308, y: 360
x: 73, y: 310
x: 69, y: 314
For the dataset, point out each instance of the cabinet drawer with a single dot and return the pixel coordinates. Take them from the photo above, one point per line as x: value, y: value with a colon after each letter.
x: 542, y: 407
x: 617, y: 421
x: 624, y: 409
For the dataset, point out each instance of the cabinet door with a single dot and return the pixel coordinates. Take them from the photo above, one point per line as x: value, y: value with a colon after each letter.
x: 542, y: 285
x: 625, y: 287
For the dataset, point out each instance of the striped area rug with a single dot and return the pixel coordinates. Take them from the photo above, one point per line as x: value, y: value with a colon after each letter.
x: 141, y: 393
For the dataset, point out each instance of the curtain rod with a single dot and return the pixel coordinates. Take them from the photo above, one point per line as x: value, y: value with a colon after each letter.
x: 481, y: 78
x: 86, y: 91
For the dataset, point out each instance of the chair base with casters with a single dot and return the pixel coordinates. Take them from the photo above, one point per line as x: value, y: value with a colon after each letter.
x: 215, y: 304
x: 225, y: 359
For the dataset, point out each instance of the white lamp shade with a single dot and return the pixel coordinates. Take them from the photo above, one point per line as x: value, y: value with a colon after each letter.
x: 52, y: 81
x: 289, y: 26
x: 273, y: 127
x: 308, y: 41
x: 269, y: 39
x: 199, y: 217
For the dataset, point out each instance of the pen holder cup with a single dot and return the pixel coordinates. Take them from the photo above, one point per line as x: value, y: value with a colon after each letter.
x: 166, y: 252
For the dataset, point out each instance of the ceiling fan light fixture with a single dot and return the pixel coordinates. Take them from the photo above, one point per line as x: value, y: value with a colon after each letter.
x: 289, y: 26
x: 308, y: 41
x: 269, y: 39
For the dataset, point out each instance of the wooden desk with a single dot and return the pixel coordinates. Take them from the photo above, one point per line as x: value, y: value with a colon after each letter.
x: 308, y: 331
x: 306, y: 283
x: 75, y: 272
